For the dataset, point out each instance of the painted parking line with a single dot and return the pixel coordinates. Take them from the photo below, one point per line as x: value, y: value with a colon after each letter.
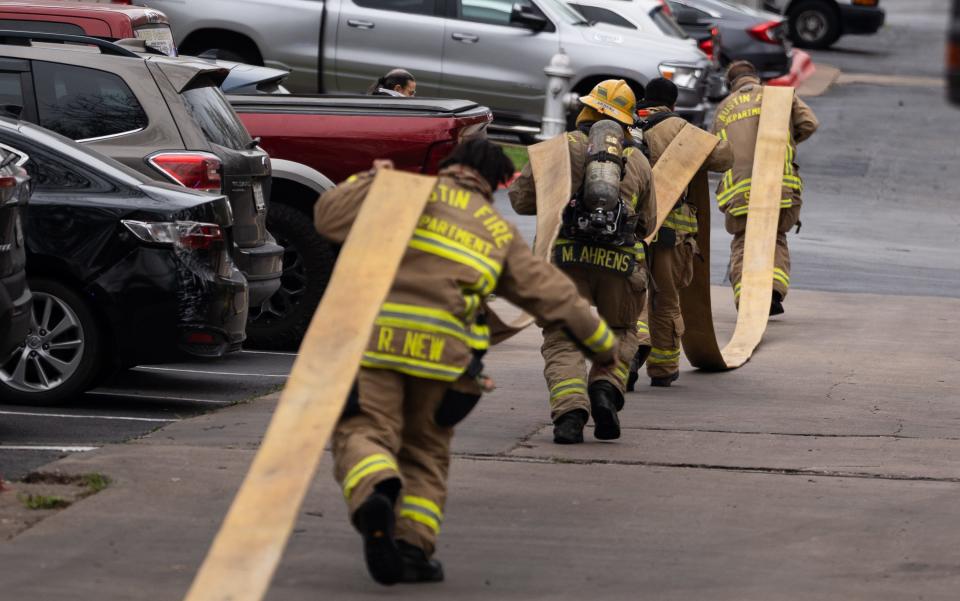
x: 210, y: 373
x: 146, y: 397
x: 31, y: 447
x: 280, y: 353
x: 106, y: 417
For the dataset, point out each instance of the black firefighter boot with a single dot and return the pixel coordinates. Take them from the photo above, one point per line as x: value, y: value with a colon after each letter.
x: 568, y: 429
x: 605, y: 401
x: 776, y: 304
x: 416, y: 566
x: 638, y: 360
x: 665, y: 381
x: 375, y: 519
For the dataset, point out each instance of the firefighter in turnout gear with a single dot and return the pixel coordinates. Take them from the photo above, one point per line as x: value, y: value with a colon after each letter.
x: 675, y: 246
x: 419, y: 375
x: 607, y: 263
x: 737, y: 120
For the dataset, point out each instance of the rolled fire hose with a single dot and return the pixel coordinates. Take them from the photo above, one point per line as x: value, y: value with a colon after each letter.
x: 247, y: 549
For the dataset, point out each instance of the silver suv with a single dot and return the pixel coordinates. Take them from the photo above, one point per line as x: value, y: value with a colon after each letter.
x: 490, y: 51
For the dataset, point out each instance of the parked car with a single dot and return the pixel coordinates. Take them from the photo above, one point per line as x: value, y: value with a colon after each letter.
x: 745, y: 33
x: 652, y: 19
x: 15, y: 297
x: 125, y: 270
x: 490, y: 51
x: 820, y: 23
x: 163, y: 116
x: 104, y: 21
x: 317, y: 139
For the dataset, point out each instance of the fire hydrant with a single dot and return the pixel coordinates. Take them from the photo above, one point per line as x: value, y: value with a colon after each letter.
x: 559, y: 99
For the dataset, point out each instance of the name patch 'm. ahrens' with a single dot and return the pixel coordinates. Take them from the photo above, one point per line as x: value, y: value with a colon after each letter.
x: 572, y: 252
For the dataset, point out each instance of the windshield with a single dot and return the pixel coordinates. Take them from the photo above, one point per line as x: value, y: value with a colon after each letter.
x: 564, y: 11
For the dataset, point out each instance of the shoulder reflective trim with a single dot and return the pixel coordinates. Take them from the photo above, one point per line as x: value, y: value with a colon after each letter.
x: 371, y: 464
x: 429, y: 242
x: 423, y: 511
x: 433, y: 320
x: 642, y: 327
x: 601, y: 340
x: 412, y: 367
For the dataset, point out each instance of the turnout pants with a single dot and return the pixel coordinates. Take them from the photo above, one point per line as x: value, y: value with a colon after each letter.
x: 737, y: 226
x: 619, y: 300
x: 672, y: 270
x: 391, y: 433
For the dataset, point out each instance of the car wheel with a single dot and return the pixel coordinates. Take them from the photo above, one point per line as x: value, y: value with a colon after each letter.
x: 60, y: 356
x: 281, y: 321
x: 814, y: 24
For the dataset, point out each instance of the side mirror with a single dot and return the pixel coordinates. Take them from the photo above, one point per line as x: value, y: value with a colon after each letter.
x: 685, y: 16
x: 528, y: 17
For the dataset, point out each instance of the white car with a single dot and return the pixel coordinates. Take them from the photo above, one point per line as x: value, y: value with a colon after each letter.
x: 650, y: 19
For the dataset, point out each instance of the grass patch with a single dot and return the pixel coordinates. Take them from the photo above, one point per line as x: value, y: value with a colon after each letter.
x: 38, y: 502
x: 517, y: 154
x: 95, y: 482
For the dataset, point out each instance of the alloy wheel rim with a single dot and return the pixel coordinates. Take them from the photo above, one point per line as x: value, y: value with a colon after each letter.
x: 811, y: 25
x: 52, y: 350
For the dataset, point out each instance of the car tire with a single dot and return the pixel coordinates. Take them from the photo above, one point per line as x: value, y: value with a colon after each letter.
x: 280, y: 323
x: 814, y: 24
x: 61, y: 357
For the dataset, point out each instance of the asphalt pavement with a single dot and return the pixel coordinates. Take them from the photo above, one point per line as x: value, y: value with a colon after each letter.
x: 824, y: 469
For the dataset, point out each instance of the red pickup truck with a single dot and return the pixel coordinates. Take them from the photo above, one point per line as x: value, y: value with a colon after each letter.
x: 336, y: 136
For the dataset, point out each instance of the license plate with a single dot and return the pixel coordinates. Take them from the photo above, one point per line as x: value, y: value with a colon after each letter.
x: 258, y: 197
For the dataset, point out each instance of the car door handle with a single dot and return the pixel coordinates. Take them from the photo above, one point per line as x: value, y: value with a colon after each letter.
x: 466, y: 38
x: 360, y: 24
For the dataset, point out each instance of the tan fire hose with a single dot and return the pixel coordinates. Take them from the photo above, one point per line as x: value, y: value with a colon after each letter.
x: 247, y: 549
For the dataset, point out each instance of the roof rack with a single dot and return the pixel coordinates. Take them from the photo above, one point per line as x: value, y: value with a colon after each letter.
x: 22, y: 38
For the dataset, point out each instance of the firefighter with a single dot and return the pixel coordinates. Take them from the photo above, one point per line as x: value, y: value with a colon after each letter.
x: 419, y: 375
x: 674, y: 247
x: 737, y: 120
x: 609, y: 270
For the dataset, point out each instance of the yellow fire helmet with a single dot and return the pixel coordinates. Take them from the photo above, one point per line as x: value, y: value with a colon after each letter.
x: 613, y: 98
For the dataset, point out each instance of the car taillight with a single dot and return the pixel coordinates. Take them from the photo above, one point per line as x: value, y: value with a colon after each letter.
x: 195, y: 170
x: 188, y: 235
x: 666, y: 7
x: 769, y: 32
x: 707, y: 47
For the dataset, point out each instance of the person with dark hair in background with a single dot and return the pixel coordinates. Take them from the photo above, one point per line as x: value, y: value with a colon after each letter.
x: 421, y: 372
x: 397, y: 82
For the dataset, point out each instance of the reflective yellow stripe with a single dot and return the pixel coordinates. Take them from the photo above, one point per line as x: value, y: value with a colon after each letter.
x: 638, y: 251
x: 738, y: 211
x: 660, y: 356
x: 677, y: 221
x: 621, y: 371
x: 371, y: 464
x: 781, y: 276
x: 434, y: 244
x: 414, y: 317
x: 642, y: 327
x: 737, y: 289
x: 412, y: 367
x: 600, y: 341
x: 422, y: 510
x: 567, y: 388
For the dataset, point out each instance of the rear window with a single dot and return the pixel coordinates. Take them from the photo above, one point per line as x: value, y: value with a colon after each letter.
x: 602, y: 15
x: 216, y: 118
x: 41, y: 26
x: 83, y: 104
x: 667, y: 24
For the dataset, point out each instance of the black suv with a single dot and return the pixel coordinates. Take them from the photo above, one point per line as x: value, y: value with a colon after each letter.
x: 14, y: 293
x: 165, y: 117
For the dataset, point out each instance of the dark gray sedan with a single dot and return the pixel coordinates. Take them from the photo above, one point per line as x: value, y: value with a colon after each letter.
x: 745, y: 34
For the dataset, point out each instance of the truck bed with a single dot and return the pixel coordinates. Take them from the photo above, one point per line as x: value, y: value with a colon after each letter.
x: 342, y: 135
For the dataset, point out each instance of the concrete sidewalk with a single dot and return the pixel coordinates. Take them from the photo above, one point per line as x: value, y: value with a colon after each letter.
x: 827, y: 468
